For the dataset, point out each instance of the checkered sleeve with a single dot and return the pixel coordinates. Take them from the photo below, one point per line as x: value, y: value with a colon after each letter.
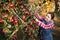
x: 45, y: 26
x: 37, y: 16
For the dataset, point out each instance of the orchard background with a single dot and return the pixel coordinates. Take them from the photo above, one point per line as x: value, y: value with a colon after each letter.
x: 17, y: 21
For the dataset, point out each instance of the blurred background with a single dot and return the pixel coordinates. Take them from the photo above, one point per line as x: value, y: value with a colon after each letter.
x: 17, y: 21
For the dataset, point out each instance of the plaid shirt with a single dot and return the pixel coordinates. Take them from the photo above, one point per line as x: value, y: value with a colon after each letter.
x: 45, y: 26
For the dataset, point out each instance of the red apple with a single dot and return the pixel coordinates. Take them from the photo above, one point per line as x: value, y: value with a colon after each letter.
x: 32, y: 23
x: 16, y: 21
x: 11, y: 6
x: 19, y: 3
x: 27, y: 29
x: 23, y: 17
x: 5, y: 15
x: 1, y: 21
x: 27, y: 13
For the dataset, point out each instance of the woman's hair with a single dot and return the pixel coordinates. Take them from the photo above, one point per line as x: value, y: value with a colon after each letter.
x: 52, y: 15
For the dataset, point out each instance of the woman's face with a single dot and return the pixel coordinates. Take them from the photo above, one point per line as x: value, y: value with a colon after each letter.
x: 48, y: 17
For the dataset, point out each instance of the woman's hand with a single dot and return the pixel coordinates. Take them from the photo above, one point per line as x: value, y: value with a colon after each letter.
x: 37, y: 15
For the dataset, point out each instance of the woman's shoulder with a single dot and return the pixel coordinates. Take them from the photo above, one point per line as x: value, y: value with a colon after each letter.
x: 51, y: 21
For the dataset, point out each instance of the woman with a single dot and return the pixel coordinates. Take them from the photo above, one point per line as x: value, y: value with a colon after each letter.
x: 46, y: 25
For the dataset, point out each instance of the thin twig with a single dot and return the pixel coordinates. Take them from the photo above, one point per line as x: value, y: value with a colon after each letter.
x: 19, y: 18
x: 12, y: 34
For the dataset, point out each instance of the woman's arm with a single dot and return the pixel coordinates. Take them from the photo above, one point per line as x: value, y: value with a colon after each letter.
x: 45, y: 26
x: 37, y: 16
